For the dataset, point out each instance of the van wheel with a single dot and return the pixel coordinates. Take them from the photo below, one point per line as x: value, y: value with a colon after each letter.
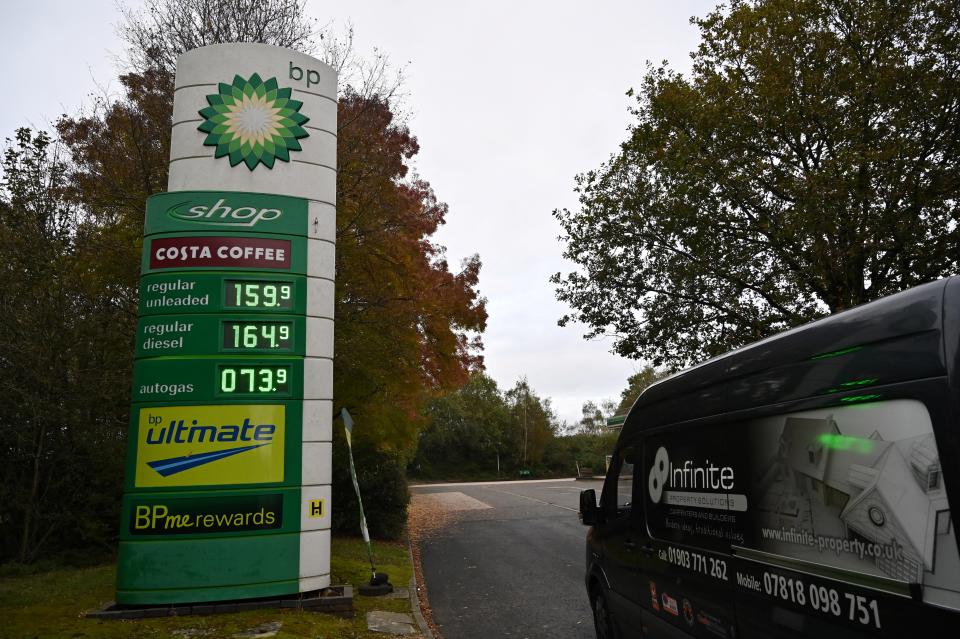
x: 602, y: 621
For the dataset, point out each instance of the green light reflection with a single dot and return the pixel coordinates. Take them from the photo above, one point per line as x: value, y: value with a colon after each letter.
x: 854, y: 399
x: 844, y: 351
x: 846, y: 442
x: 860, y: 382
x: 845, y: 386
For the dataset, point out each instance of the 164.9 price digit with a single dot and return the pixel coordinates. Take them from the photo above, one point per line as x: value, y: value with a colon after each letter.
x: 241, y: 335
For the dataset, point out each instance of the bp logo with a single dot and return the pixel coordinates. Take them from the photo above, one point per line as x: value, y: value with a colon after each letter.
x: 253, y: 122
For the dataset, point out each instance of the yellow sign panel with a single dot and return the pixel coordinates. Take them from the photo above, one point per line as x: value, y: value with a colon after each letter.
x: 316, y: 508
x: 210, y: 445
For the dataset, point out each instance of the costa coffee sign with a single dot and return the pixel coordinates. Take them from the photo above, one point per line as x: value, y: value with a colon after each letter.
x: 243, y: 252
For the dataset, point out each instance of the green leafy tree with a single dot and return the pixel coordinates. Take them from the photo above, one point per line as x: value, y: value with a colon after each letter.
x: 533, y: 424
x: 63, y: 414
x: 465, y: 432
x: 809, y: 163
x: 584, y: 451
x: 636, y: 384
x: 595, y: 416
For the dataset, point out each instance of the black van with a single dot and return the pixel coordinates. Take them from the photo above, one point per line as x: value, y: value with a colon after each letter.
x: 797, y: 487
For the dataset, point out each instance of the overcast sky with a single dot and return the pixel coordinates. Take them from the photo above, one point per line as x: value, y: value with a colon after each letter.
x: 509, y: 100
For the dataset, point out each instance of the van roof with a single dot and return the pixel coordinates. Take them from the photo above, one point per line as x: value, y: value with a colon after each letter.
x: 789, y: 356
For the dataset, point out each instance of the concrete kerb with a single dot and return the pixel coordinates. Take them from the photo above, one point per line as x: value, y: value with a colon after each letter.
x: 414, y: 599
x: 336, y: 600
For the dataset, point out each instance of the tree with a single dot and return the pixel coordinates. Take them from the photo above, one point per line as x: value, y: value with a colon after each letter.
x: 120, y: 153
x: 407, y: 328
x: 594, y: 418
x: 808, y: 164
x: 365, y: 76
x: 636, y: 384
x: 568, y: 454
x: 533, y: 423
x: 63, y: 414
x: 465, y: 432
x: 161, y: 30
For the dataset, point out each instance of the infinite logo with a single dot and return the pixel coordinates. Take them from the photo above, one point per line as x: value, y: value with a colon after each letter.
x: 253, y: 122
x: 688, y: 475
x: 658, y: 475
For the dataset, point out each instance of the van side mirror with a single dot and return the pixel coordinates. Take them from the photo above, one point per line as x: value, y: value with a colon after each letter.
x: 590, y: 514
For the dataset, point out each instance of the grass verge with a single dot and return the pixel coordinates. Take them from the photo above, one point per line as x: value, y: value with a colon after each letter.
x: 51, y: 604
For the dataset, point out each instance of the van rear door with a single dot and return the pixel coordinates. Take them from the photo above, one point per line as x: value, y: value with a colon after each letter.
x: 690, y: 594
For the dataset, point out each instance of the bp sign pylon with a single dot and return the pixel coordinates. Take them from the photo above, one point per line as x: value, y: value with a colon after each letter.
x: 227, y: 489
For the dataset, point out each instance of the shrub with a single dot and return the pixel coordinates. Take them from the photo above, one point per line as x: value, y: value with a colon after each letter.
x: 589, y: 450
x: 383, y: 488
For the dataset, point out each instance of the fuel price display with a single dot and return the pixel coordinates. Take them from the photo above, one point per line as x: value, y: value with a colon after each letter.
x: 247, y: 379
x: 211, y: 293
x: 260, y: 335
x: 258, y: 294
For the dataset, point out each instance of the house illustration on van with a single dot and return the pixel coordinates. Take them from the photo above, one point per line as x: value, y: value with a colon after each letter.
x: 840, y: 486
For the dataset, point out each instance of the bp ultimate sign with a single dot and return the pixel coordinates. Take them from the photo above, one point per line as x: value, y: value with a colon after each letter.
x: 227, y: 490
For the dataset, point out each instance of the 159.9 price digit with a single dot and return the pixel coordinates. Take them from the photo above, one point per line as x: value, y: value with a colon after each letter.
x: 254, y: 294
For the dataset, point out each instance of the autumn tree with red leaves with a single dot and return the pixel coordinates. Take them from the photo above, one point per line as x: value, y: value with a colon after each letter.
x: 403, y: 319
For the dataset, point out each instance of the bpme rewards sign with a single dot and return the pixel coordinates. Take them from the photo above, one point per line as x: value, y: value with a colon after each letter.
x: 227, y: 490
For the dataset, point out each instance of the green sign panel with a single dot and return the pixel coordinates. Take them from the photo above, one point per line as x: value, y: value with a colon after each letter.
x: 203, y: 379
x: 247, y: 334
x: 226, y: 212
x: 214, y: 504
x: 192, y: 292
x: 223, y: 251
x: 170, y: 569
x: 222, y: 446
x: 259, y: 512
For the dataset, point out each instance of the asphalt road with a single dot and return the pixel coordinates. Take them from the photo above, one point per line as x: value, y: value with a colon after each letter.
x: 508, y: 561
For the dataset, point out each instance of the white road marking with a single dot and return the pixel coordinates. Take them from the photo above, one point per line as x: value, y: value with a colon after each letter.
x: 539, y: 501
x: 453, y: 501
